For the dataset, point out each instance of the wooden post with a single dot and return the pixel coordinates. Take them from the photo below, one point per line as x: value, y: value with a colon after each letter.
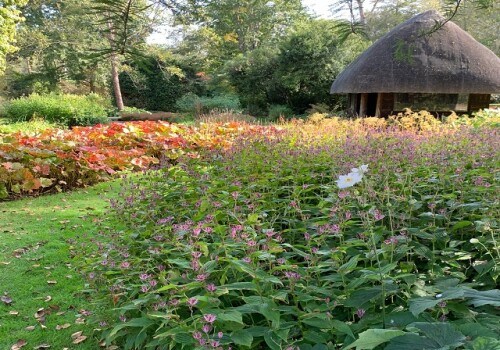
x: 363, y: 107
x: 378, y: 109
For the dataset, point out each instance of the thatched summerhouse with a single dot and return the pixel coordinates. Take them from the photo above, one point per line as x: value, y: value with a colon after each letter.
x: 420, y: 67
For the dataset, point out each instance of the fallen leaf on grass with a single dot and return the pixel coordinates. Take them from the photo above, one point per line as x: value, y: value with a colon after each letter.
x: 42, y: 346
x: 76, y: 334
x: 20, y: 343
x: 40, y: 315
x: 14, y: 313
x: 63, y: 326
x: 52, y: 282
x: 30, y: 328
x: 6, y: 299
x: 48, y: 298
x: 5, y: 262
x: 79, y: 339
x: 85, y: 312
x: 80, y: 320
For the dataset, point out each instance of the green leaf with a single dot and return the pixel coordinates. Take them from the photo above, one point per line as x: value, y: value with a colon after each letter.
x: 240, y: 286
x: 483, y: 343
x: 442, y: 333
x: 253, y: 218
x: 184, y: 338
x: 272, y: 340
x: 136, y: 322
x: 363, y: 296
x: 461, y: 224
x: 476, y: 330
x: 242, y: 337
x: 265, y: 277
x: 231, y: 316
x: 244, y: 267
x: 315, y: 337
x: 317, y: 322
x: 480, y: 298
x: 319, y: 347
x: 419, y: 305
x: 372, y: 338
x: 3, y: 192
x: 421, y: 250
x: 343, y: 328
x: 412, y: 341
x: 349, y: 266
x: 270, y: 312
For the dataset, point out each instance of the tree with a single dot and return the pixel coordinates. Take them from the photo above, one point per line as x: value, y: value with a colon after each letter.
x: 158, y: 80
x: 298, y: 73
x: 247, y: 24
x: 55, y: 42
x: 125, y: 25
x: 10, y: 16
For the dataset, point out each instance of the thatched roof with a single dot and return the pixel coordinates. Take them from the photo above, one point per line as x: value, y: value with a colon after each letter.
x: 414, y: 58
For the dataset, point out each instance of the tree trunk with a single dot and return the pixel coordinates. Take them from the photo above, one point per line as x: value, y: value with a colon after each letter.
x: 362, y: 17
x: 116, y: 82
x: 114, y: 68
x: 92, y: 79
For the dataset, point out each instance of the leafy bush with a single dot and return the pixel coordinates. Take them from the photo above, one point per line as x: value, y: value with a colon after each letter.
x: 409, y: 120
x: 32, y: 126
x: 486, y: 117
x: 197, y: 105
x: 68, y: 110
x: 277, y: 243
x: 279, y: 111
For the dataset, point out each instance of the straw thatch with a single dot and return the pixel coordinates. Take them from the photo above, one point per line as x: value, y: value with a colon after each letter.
x: 414, y: 58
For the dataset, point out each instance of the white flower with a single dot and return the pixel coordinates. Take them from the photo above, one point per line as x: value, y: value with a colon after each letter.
x: 361, y: 170
x: 349, y: 180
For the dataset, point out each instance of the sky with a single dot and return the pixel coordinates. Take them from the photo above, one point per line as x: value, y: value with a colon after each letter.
x: 318, y: 7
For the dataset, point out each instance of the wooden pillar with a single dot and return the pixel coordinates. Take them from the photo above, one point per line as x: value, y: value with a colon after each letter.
x: 477, y: 102
x: 378, y: 109
x: 353, y: 101
x: 363, y: 106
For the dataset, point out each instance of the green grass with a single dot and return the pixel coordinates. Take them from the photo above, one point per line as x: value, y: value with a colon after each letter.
x: 39, y: 231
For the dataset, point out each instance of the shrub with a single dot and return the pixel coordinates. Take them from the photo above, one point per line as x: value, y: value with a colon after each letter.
x: 33, y: 126
x: 486, y: 117
x: 408, y: 120
x: 317, y: 118
x: 226, y: 117
x: 197, y: 105
x: 67, y: 110
x: 279, y: 111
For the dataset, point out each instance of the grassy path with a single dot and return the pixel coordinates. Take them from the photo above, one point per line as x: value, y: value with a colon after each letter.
x: 40, y: 289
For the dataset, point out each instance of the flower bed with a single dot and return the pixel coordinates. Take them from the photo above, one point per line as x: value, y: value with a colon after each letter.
x: 56, y: 159
x: 329, y: 236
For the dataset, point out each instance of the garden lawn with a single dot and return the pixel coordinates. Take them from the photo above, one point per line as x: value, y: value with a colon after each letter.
x: 42, y: 302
